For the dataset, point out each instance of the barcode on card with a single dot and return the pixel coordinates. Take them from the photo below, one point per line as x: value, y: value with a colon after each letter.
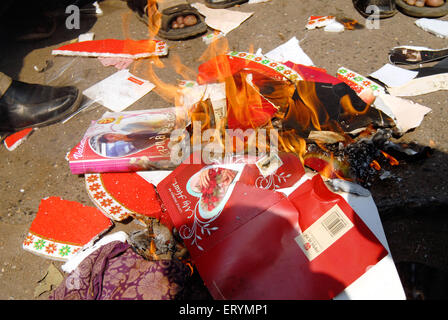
x: 334, y: 224
x: 324, y: 232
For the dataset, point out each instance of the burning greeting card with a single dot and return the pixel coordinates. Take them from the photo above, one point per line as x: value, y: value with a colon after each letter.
x: 241, y: 236
x: 197, y: 195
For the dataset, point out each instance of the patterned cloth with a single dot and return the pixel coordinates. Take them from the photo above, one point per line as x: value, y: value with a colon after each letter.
x: 116, y: 272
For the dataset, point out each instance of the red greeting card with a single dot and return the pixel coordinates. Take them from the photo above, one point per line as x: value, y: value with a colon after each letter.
x: 255, y: 243
x: 127, y: 141
x: 62, y: 227
x: 125, y: 194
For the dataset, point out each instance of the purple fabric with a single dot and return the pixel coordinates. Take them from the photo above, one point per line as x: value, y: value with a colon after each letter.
x: 116, y: 272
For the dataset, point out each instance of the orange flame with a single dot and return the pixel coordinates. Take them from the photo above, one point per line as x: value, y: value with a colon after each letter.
x: 296, y: 103
x: 374, y: 164
x: 392, y: 160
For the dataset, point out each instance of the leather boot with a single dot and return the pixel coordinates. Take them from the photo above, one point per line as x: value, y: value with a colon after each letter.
x: 26, y: 105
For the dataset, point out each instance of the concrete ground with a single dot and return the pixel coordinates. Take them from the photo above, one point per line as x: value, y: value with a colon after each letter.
x: 38, y: 169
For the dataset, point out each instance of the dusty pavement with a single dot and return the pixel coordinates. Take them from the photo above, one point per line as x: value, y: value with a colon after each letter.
x: 413, y: 208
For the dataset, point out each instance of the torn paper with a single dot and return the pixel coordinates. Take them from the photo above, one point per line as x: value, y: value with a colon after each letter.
x: 223, y: 20
x: 437, y: 27
x: 290, y: 51
x: 154, y: 176
x: 192, y: 93
x: 393, y: 76
x: 117, y: 62
x: 14, y: 140
x: 209, y: 38
x: 119, y: 91
x: 423, y: 85
x: 53, y: 277
x: 406, y: 114
x: 56, y: 235
x: 319, y: 21
x: 348, y: 186
x: 86, y: 37
x: 127, y: 48
x: 334, y: 27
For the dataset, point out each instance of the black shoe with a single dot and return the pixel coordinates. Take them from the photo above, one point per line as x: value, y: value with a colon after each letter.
x: 386, y: 8
x: 27, y: 105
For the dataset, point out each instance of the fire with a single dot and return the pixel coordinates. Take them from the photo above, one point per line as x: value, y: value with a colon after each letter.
x: 392, y: 160
x: 153, y: 249
x: 349, y: 24
x: 374, y: 164
x: 154, y: 18
x: 257, y: 99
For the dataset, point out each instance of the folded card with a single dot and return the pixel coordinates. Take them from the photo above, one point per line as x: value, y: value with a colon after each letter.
x: 242, y: 235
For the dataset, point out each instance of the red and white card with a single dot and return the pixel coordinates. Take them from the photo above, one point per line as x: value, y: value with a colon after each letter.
x: 14, y: 140
x: 127, y: 48
x: 62, y: 227
x: 241, y: 237
x: 125, y: 194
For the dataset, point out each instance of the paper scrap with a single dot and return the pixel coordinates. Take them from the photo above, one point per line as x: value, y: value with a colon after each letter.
x: 319, y: 21
x: 86, y: 37
x: 192, y: 93
x: 421, y: 85
x: 406, y: 114
x: 154, y: 176
x: 334, y: 27
x: 224, y: 20
x: 118, y: 62
x: 209, y: 38
x: 53, y: 277
x: 393, y: 76
x: 434, y: 26
x: 348, y: 186
x: 119, y: 91
x: 290, y: 51
x: 127, y: 48
x: 14, y: 140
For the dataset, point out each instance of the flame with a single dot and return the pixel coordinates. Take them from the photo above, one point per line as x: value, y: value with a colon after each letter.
x: 349, y: 24
x: 254, y: 100
x: 374, y: 164
x: 392, y: 160
x: 188, y: 264
x: 154, y: 18
x: 152, y: 248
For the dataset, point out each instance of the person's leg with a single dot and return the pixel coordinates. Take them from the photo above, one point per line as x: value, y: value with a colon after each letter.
x: 5, y: 82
